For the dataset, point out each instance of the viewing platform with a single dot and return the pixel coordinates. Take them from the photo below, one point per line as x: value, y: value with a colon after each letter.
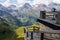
x: 49, y: 27
x: 44, y: 33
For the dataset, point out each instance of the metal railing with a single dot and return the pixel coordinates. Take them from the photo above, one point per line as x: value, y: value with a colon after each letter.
x: 42, y: 32
x: 55, y: 27
x: 56, y: 30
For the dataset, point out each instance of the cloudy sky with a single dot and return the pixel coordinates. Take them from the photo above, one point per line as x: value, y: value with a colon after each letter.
x: 21, y: 2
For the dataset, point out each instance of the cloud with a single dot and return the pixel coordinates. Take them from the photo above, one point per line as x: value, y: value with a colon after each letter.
x: 13, y: 1
x: 29, y: 0
x: 6, y: 3
x: 21, y: 1
x: 56, y: 1
x: 41, y: 1
x: 1, y: 1
x: 32, y: 2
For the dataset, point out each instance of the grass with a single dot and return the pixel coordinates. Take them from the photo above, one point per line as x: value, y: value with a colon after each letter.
x: 20, y: 33
x: 11, y: 33
x: 34, y: 27
x: 17, y: 34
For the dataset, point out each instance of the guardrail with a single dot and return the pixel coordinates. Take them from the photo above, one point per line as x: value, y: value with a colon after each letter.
x: 43, y: 32
x: 49, y: 24
x: 55, y: 27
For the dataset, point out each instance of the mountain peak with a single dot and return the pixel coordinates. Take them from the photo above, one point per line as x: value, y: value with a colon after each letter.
x: 0, y: 4
x: 27, y: 5
x: 12, y: 6
x: 3, y: 8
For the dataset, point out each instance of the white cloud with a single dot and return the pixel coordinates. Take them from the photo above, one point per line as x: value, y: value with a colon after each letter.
x: 56, y: 1
x: 34, y: 2
x: 42, y: 1
x: 6, y: 3
x: 21, y: 2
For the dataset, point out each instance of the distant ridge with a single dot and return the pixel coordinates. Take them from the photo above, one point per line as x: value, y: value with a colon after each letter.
x: 9, y: 18
x: 27, y: 6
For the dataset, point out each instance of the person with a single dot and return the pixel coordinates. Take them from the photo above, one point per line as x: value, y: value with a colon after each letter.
x: 53, y: 10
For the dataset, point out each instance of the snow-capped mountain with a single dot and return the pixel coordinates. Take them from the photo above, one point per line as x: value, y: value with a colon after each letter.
x: 28, y: 9
x: 9, y: 18
x: 14, y: 10
x: 5, y: 14
x: 22, y: 15
x: 13, y: 7
x: 25, y: 15
x: 27, y: 6
x: 4, y: 8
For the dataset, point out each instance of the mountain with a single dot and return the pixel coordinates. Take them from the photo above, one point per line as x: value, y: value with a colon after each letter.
x: 9, y: 18
x: 14, y: 10
x: 23, y: 17
x: 28, y: 9
x: 4, y: 8
x: 27, y: 6
x: 12, y: 7
x: 26, y: 16
x: 6, y: 14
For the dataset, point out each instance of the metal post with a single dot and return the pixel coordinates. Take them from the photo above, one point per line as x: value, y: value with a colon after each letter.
x: 31, y: 35
x: 27, y: 34
x: 42, y: 36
